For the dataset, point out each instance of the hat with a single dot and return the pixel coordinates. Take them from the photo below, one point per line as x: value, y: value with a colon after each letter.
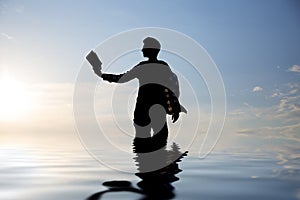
x: 151, y: 43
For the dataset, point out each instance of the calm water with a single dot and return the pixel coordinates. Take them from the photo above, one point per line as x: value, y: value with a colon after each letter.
x: 36, y: 174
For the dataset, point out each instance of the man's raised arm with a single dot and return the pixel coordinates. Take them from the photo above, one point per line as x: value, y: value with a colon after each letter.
x: 96, y: 63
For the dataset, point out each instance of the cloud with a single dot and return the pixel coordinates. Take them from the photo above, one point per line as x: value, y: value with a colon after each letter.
x: 9, y: 37
x: 257, y: 89
x: 288, y: 108
x: 3, y: 7
x: 294, y: 68
x: 281, y: 116
x: 285, y: 132
x: 245, y: 131
x: 20, y: 9
x: 269, y: 127
x: 276, y: 94
x: 285, y: 108
x: 6, y: 8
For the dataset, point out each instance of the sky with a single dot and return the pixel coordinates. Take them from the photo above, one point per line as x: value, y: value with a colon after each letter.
x: 254, y: 44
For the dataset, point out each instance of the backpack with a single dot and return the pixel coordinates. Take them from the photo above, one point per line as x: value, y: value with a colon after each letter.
x: 172, y: 93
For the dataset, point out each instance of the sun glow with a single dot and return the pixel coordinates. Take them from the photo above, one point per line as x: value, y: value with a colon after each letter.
x: 15, y: 99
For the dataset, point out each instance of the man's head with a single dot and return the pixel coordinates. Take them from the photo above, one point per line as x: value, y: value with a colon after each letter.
x: 151, y: 47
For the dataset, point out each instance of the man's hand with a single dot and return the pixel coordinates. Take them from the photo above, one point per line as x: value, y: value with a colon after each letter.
x: 97, y: 71
x: 175, y: 117
x: 95, y: 62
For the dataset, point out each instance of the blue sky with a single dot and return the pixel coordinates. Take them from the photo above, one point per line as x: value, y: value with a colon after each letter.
x: 255, y: 45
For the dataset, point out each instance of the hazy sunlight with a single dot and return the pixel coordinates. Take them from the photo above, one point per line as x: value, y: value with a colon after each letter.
x: 15, y: 100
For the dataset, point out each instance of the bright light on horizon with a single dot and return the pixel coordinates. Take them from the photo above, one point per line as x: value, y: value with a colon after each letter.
x: 16, y: 100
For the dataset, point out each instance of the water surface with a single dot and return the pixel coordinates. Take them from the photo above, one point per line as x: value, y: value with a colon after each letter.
x: 73, y: 174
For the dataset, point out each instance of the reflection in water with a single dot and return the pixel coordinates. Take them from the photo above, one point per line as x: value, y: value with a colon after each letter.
x: 157, y: 169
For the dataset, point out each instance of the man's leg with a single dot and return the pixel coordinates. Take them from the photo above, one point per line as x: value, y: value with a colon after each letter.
x: 159, y: 140
x: 159, y: 126
x: 142, y: 122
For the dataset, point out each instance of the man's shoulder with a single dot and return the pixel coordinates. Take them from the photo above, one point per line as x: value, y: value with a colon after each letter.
x: 162, y: 62
x: 142, y: 63
x: 150, y: 62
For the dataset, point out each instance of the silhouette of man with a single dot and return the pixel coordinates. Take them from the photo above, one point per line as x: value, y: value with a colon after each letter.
x: 157, y: 96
